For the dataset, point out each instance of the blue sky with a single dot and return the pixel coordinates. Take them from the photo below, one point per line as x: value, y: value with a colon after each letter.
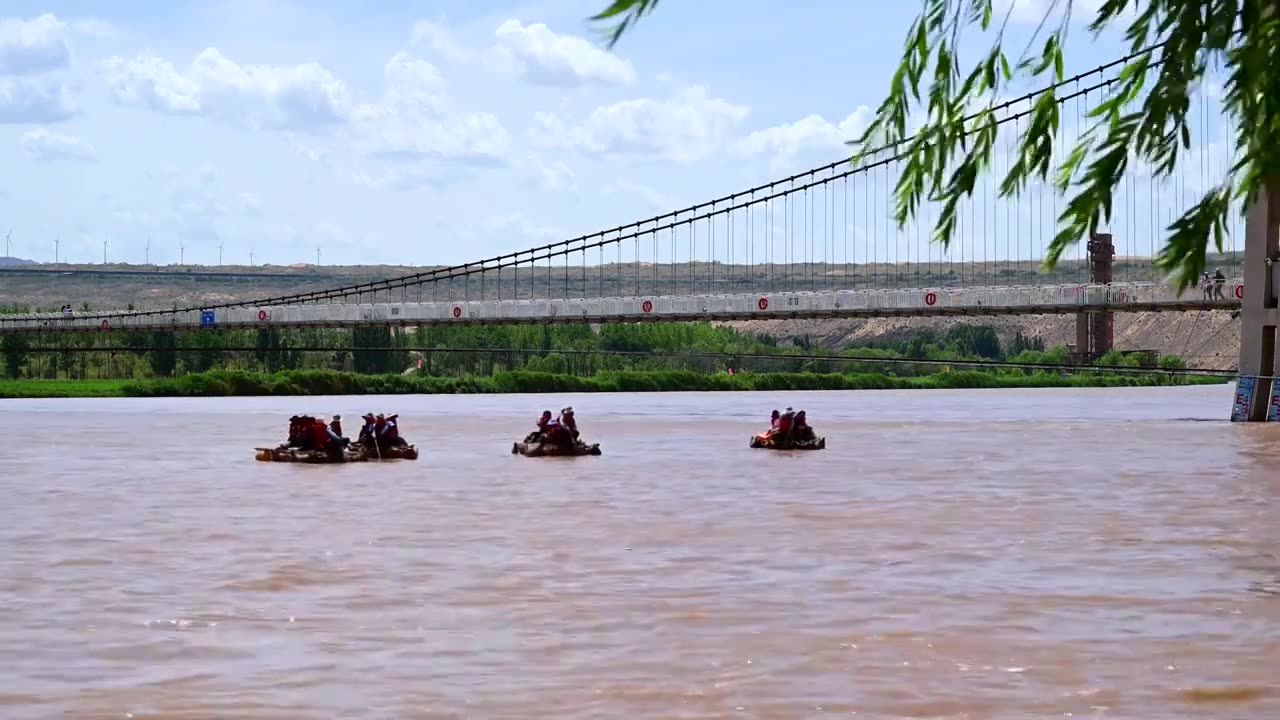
x: 428, y: 132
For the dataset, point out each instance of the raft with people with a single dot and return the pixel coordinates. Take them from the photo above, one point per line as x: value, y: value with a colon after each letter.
x: 557, y: 437
x: 788, y: 431
x: 312, y: 440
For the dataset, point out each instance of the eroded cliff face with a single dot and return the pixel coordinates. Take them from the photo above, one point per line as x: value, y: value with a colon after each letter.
x: 1205, y: 339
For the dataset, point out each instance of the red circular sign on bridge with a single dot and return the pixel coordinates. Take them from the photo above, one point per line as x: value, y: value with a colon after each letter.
x: 457, y: 311
x: 262, y: 314
x: 763, y: 303
x: 106, y: 325
x: 1240, y: 291
x: 930, y: 298
x: 646, y: 306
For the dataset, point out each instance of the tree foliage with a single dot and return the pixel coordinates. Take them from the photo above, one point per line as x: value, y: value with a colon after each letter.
x: 1143, y: 116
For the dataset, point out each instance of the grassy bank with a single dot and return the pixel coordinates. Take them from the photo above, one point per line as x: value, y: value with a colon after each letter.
x: 220, y: 383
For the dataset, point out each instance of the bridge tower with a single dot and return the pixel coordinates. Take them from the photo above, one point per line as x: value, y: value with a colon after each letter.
x: 1257, y: 397
x: 1095, y: 331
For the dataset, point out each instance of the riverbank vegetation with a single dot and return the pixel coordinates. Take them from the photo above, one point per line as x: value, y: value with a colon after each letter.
x: 567, y: 358
x: 217, y: 383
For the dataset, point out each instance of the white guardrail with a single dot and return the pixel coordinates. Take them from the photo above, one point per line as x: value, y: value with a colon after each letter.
x: 1120, y: 297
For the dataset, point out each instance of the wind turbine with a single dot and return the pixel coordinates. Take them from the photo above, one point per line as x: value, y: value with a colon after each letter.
x: 7, y: 251
x: 181, y: 253
x: 219, y: 253
x: 57, y: 240
x: 317, y: 257
x: 147, y: 258
x: 250, y: 258
x: 104, y: 252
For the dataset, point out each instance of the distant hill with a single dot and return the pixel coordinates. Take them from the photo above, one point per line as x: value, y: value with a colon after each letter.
x: 16, y: 261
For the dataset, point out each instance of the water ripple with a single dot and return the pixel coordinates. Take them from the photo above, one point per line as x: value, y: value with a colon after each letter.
x: 963, y: 554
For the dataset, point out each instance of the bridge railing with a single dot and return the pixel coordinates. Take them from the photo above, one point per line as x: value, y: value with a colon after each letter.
x: 1028, y: 299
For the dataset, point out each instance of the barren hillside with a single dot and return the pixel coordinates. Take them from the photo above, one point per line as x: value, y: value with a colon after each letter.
x: 1204, y: 339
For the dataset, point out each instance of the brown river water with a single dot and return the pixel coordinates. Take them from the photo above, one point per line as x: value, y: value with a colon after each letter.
x: 951, y: 554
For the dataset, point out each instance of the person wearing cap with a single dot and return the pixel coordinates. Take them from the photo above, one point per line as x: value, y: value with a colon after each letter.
x: 366, y: 430
x: 391, y: 431
x: 570, y: 425
x: 335, y: 431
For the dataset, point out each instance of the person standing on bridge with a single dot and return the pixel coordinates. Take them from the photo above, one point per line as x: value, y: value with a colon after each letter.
x: 1218, y: 281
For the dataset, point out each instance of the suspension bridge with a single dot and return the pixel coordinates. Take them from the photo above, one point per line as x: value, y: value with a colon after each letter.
x: 818, y: 244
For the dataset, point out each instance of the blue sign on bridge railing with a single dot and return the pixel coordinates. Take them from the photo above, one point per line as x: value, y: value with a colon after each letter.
x: 1244, y: 398
x: 206, y: 318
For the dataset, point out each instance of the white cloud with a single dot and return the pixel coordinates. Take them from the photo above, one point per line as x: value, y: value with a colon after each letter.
x: 34, y: 102
x: 415, y: 120
x: 298, y: 97
x: 32, y: 54
x: 689, y: 126
x: 508, y: 225
x: 441, y: 41
x: 314, y: 152
x: 785, y: 143
x: 94, y: 28
x: 543, y: 57
x: 412, y: 178
x: 33, y: 47
x: 534, y: 53
x: 656, y: 200
x: 48, y: 146
x: 554, y: 176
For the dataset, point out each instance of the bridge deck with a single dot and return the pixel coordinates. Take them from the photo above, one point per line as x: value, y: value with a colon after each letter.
x: 1035, y: 300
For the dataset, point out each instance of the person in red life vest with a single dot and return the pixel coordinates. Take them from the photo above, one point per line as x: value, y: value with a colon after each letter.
x: 391, y: 433
x: 320, y: 434
x: 546, y: 426
x: 569, y: 426
x: 300, y: 432
x: 783, y: 426
x: 379, y: 425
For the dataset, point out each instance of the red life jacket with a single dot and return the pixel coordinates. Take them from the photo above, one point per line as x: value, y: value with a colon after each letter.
x: 319, y: 431
x: 784, y: 423
x: 380, y: 425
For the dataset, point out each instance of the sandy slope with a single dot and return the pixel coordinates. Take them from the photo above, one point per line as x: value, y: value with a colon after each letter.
x: 1205, y: 339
